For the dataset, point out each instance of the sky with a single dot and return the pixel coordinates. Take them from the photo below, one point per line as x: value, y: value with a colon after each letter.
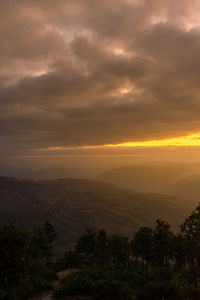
x: 90, y: 78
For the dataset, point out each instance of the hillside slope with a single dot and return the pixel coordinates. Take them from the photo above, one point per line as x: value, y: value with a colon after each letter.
x: 75, y: 204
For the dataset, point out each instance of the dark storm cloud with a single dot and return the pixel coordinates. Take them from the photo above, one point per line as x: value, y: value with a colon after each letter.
x: 97, y: 72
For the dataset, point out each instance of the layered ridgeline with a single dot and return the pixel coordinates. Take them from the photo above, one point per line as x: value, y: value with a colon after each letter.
x: 75, y: 204
x: 179, y: 180
x: 187, y: 188
x: 156, y: 177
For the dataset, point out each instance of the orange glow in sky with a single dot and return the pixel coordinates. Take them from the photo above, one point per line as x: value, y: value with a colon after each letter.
x: 190, y: 140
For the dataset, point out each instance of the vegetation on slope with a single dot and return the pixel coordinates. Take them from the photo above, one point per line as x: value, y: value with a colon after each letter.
x: 156, y: 263
x: 77, y: 204
x: 24, y: 258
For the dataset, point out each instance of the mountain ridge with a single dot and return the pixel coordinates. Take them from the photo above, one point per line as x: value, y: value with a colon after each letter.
x: 75, y: 204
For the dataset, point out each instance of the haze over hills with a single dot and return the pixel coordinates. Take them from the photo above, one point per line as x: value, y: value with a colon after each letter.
x: 187, y: 188
x: 121, y: 199
x: 157, y: 177
x: 75, y: 204
x: 48, y: 173
x: 56, y: 173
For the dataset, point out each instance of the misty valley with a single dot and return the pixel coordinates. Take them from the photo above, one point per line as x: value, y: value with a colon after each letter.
x: 120, y: 200
x: 101, y: 233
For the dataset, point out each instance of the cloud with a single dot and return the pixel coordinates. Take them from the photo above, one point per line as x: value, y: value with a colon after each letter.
x: 97, y: 72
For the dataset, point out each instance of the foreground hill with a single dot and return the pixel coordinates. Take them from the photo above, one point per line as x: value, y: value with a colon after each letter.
x: 75, y: 204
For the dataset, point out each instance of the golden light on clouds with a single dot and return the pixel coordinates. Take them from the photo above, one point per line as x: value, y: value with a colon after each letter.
x: 125, y: 91
x: 190, y: 140
x: 187, y: 140
x: 108, y: 78
x: 120, y: 51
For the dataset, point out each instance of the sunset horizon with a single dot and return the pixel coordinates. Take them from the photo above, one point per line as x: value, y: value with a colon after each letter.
x: 86, y: 75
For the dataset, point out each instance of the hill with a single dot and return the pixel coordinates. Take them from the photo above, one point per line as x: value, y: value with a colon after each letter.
x: 75, y: 204
x: 50, y: 173
x: 188, y: 188
x: 156, y: 178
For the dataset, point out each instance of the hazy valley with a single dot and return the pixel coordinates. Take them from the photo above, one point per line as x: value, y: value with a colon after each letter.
x: 134, y: 196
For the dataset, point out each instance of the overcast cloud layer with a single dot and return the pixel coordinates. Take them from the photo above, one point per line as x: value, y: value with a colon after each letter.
x: 88, y: 72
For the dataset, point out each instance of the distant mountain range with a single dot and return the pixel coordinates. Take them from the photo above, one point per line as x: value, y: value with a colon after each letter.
x: 188, y: 188
x: 75, y: 204
x: 45, y: 173
x: 144, y: 178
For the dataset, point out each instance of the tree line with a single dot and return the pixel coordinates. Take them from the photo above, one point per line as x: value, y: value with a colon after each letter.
x: 24, y: 258
x: 156, y: 263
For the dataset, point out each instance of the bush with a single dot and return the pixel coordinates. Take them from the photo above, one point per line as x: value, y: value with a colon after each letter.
x: 93, y: 282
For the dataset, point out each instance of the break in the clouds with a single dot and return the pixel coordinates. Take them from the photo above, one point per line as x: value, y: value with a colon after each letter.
x: 90, y: 72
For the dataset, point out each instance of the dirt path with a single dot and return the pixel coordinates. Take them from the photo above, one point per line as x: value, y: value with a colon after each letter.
x: 47, y: 295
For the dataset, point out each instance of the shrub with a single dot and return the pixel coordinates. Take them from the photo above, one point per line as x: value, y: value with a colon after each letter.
x: 93, y: 282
